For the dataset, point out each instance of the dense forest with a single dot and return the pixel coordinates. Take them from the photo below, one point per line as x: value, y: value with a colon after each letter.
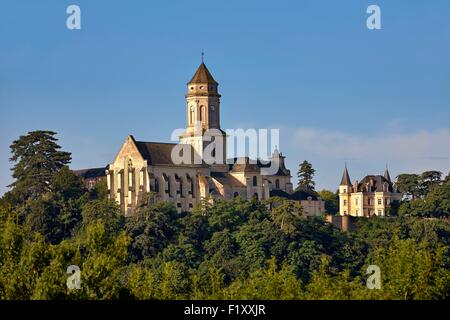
x: 226, y: 250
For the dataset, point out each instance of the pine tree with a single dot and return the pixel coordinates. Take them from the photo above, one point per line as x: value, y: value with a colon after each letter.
x: 305, y: 176
x: 37, y: 158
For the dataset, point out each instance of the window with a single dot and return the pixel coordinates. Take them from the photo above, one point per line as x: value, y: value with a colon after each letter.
x: 379, y: 201
x: 368, y: 201
x: 167, y: 182
x: 255, y: 196
x: 156, y: 185
x: 357, y: 201
x: 202, y: 113
x: 255, y: 181
x: 345, y: 190
x: 345, y: 202
x: 236, y: 194
x: 357, y: 211
x: 181, y: 188
x: 380, y: 212
x: 191, y: 114
x: 345, y: 212
x: 277, y: 184
x: 168, y: 186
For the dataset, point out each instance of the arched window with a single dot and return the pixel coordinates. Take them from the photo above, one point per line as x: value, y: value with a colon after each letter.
x: 191, y: 184
x: 191, y: 114
x: 167, y: 180
x: 236, y: 194
x: 181, y: 188
x: 180, y: 185
x: 277, y: 184
x: 255, y: 181
x: 255, y: 196
x: 156, y: 186
x: 202, y: 113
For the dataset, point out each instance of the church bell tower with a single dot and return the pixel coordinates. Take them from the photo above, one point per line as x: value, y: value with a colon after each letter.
x: 203, y: 100
x: 203, y: 116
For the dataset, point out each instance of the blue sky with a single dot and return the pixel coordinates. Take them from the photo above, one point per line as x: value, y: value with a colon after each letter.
x: 338, y: 91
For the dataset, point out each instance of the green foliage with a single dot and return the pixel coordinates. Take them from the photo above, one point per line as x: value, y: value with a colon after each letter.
x: 105, y: 211
x: 37, y: 158
x: 418, y: 186
x: 331, y: 201
x: 305, y: 176
x: 435, y: 204
x: 223, y: 250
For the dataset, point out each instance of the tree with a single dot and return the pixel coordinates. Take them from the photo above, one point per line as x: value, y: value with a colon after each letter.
x: 37, y: 158
x: 151, y: 230
x: 331, y: 201
x: 409, y: 184
x: 305, y: 175
x: 286, y: 215
x: 105, y: 211
x: 447, y: 178
x: 430, y: 179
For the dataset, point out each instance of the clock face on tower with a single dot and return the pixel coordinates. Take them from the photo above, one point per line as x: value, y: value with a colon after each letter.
x: 212, y: 108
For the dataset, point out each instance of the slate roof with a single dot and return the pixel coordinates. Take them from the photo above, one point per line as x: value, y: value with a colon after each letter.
x: 202, y: 75
x: 345, y: 181
x: 243, y: 165
x: 387, y: 176
x: 159, y: 153
x: 299, y: 194
x: 375, y: 183
x: 225, y: 179
x: 91, y: 173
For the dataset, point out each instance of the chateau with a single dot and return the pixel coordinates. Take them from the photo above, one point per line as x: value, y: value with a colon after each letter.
x: 141, y: 167
x: 373, y: 195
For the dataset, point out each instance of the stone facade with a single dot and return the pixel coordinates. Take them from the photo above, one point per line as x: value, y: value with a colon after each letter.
x: 373, y: 195
x: 143, y: 167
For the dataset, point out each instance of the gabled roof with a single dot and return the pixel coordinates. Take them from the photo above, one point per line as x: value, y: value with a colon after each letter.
x: 159, y: 153
x: 298, y: 195
x: 224, y: 178
x: 202, y: 75
x: 245, y: 164
x: 374, y: 183
x: 91, y: 173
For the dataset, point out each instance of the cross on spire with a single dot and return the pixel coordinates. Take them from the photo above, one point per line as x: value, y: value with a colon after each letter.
x: 203, y: 56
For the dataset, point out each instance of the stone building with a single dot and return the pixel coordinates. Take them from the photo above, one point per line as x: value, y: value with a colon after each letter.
x: 373, y: 195
x: 91, y: 176
x: 141, y: 167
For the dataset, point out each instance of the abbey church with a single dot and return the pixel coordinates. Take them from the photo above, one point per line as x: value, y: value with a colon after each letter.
x: 141, y: 167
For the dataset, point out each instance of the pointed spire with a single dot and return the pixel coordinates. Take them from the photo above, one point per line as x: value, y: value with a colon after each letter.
x: 202, y: 75
x: 345, y: 181
x: 387, y: 176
